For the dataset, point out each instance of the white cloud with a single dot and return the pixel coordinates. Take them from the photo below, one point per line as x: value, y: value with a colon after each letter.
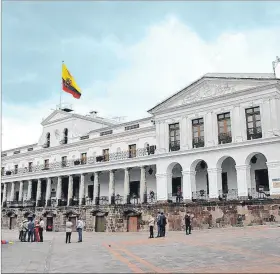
x: 170, y: 56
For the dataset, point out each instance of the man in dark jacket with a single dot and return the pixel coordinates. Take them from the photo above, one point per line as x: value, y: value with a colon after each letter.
x: 188, y: 223
x: 31, y: 227
x: 162, y: 224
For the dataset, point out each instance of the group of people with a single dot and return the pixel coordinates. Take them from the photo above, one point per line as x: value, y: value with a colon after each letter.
x: 31, y: 230
x: 161, y: 222
x: 79, y: 227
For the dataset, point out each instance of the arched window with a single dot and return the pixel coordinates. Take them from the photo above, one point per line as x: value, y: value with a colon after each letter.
x: 65, y: 136
x: 48, y: 139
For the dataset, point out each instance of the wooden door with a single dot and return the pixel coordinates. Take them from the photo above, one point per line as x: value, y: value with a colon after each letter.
x: 13, y: 222
x: 49, y: 226
x: 74, y: 222
x: 100, y: 224
x: 132, y: 224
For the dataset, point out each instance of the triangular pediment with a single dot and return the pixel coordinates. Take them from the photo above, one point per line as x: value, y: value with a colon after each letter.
x: 57, y: 115
x: 210, y: 87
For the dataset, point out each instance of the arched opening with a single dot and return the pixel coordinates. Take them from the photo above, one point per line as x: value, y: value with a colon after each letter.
x: 65, y: 136
x: 259, y: 180
x: 229, y: 189
x: 175, y: 186
x: 133, y: 220
x: 201, y: 180
x: 99, y: 220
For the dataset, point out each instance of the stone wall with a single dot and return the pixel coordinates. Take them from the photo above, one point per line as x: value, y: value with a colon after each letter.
x: 116, y: 217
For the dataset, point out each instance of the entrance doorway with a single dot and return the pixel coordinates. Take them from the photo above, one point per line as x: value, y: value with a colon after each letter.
x: 100, y: 224
x: 13, y: 222
x: 176, y: 184
x: 135, y: 189
x: 132, y: 224
x: 49, y: 226
x: 261, y: 177
x: 224, y: 183
x: 74, y: 222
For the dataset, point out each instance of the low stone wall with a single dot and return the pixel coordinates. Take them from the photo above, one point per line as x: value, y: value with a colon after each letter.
x: 116, y: 218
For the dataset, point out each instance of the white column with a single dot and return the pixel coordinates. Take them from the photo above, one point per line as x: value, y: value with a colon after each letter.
x: 58, y: 189
x: 163, y: 186
x: 82, y: 190
x: 38, y: 194
x: 48, y: 191
x: 215, y: 129
x: 188, y: 184
x: 243, y: 179
x: 266, y: 119
x: 5, y: 193
x: 12, y: 196
x: 95, y: 186
x: 274, y: 177
x: 215, y: 182
x: 183, y: 134
x: 70, y: 190
x: 143, y: 184
x: 126, y: 184
x: 111, y: 186
x: 158, y: 137
x: 208, y: 130
x: 189, y: 133
x: 275, y: 119
x: 29, y: 190
x: 20, y: 195
x: 165, y: 136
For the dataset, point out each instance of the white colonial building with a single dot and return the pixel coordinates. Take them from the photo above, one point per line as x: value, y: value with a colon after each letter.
x: 218, y: 138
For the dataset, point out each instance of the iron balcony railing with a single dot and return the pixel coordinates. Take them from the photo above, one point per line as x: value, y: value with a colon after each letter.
x: 229, y: 195
x: 198, y: 142
x: 254, y: 133
x: 174, y: 145
x: 116, y: 156
x: 225, y: 138
x: 254, y: 194
x: 200, y: 195
x: 175, y: 198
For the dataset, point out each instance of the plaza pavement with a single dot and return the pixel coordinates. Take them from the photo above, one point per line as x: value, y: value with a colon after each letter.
x: 233, y: 250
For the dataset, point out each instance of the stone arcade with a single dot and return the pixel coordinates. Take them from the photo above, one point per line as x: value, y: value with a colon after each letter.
x: 212, y: 147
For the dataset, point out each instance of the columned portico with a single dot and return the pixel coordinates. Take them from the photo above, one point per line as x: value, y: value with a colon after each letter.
x: 39, y: 192
x: 112, y: 187
x: 82, y: 190
x: 215, y: 182
x: 143, y: 185
x: 243, y: 179
x: 70, y: 191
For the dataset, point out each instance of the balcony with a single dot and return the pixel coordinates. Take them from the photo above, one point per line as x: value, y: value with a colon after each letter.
x: 198, y: 142
x: 225, y: 138
x: 254, y: 133
x: 174, y: 146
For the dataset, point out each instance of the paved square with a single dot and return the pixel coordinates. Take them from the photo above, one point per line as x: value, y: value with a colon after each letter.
x: 233, y: 250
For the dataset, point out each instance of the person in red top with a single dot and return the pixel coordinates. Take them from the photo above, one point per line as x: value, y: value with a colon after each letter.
x: 37, y: 235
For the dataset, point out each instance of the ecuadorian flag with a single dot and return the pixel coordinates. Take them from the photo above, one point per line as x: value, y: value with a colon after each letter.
x: 68, y: 83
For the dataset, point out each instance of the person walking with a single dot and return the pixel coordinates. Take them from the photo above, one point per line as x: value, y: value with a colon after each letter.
x: 80, y: 226
x: 188, y: 223
x: 151, y: 225
x: 31, y: 227
x: 68, y: 225
x: 158, y: 224
x: 41, y: 229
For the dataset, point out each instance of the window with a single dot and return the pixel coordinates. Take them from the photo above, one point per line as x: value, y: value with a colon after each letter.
x: 46, y: 164
x: 132, y: 127
x: 108, y: 132
x: 132, y: 151
x: 48, y: 140
x: 30, y: 149
x: 174, y: 137
x: 17, y: 152
x: 224, y: 128
x: 198, y: 132
x: 30, y: 165
x: 16, y: 169
x: 65, y: 136
x: 253, y: 120
x: 4, y: 155
x: 90, y: 191
x: 106, y: 154
x: 2, y: 171
x: 64, y: 161
x: 83, y: 158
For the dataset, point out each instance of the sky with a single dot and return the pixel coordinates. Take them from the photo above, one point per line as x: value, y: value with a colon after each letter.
x: 125, y: 56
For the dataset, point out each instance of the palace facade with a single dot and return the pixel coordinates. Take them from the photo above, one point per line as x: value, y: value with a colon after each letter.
x: 218, y: 139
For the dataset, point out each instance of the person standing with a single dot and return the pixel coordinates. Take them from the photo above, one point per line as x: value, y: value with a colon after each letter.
x: 37, y: 231
x: 68, y: 225
x: 80, y: 226
x: 158, y: 224
x: 31, y: 227
x: 20, y: 230
x: 41, y: 229
x: 151, y: 225
x: 188, y: 223
x: 163, y: 224
x: 25, y: 230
